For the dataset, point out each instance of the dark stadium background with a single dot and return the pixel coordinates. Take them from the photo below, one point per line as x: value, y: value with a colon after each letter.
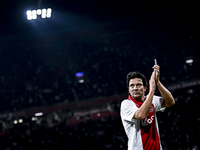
x: 104, y: 39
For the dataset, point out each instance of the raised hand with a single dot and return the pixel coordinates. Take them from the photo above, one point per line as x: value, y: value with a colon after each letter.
x: 157, y: 72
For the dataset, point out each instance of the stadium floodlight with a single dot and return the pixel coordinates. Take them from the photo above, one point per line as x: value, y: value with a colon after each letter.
x: 20, y: 120
x: 81, y: 81
x: 29, y: 15
x: 34, y: 119
x: 34, y: 14
x: 38, y: 114
x: 39, y: 12
x: 49, y: 12
x: 189, y: 61
x: 44, y: 13
x: 15, y: 121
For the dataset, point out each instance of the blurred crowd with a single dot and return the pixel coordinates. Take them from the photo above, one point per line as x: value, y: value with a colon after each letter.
x: 41, y: 72
x: 179, y: 129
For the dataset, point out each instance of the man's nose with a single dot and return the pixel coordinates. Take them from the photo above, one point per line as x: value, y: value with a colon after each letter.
x: 135, y: 87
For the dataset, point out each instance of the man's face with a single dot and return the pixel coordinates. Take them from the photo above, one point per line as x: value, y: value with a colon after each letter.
x: 137, y: 89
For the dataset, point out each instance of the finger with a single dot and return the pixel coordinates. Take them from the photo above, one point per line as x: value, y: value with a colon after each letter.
x: 156, y: 66
x: 157, y: 69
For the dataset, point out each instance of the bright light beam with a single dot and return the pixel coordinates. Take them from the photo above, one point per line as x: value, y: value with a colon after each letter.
x: 39, y: 12
x: 34, y: 14
x: 44, y: 13
x: 29, y: 15
x: 49, y: 10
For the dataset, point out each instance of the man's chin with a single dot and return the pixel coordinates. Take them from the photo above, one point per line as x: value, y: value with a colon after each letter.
x: 137, y: 97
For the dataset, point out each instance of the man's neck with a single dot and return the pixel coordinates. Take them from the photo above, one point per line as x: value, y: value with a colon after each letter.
x: 140, y: 99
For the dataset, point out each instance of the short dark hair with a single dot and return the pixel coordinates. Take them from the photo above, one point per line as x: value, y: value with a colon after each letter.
x: 136, y: 74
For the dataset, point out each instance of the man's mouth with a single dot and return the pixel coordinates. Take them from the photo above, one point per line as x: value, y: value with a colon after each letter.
x: 136, y: 93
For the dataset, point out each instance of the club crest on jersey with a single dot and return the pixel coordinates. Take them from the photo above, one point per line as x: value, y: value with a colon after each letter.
x: 151, y: 109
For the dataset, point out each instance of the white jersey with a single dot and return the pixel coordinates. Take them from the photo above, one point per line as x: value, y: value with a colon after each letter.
x: 132, y: 126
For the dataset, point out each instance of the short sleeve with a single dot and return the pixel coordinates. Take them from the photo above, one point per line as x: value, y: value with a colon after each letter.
x: 128, y: 109
x: 157, y: 102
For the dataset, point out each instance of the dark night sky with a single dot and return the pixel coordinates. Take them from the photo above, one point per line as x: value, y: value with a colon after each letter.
x: 109, y: 15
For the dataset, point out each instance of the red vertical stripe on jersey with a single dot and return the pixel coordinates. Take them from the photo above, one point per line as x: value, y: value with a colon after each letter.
x: 149, y: 133
x: 150, y: 138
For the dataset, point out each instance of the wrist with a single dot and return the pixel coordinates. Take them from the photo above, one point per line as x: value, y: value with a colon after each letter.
x: 158, y: 83
x: 152, y: 91
x: 150, y: 94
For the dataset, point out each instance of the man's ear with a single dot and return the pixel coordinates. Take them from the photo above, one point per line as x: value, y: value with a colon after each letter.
x: 145, y: 88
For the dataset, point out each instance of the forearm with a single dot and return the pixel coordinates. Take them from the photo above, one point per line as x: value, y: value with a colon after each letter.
x: 166, y: 94
x: 143, y: 111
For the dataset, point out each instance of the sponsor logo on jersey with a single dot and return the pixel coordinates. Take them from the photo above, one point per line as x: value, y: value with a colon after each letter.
x: 147, y: 121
